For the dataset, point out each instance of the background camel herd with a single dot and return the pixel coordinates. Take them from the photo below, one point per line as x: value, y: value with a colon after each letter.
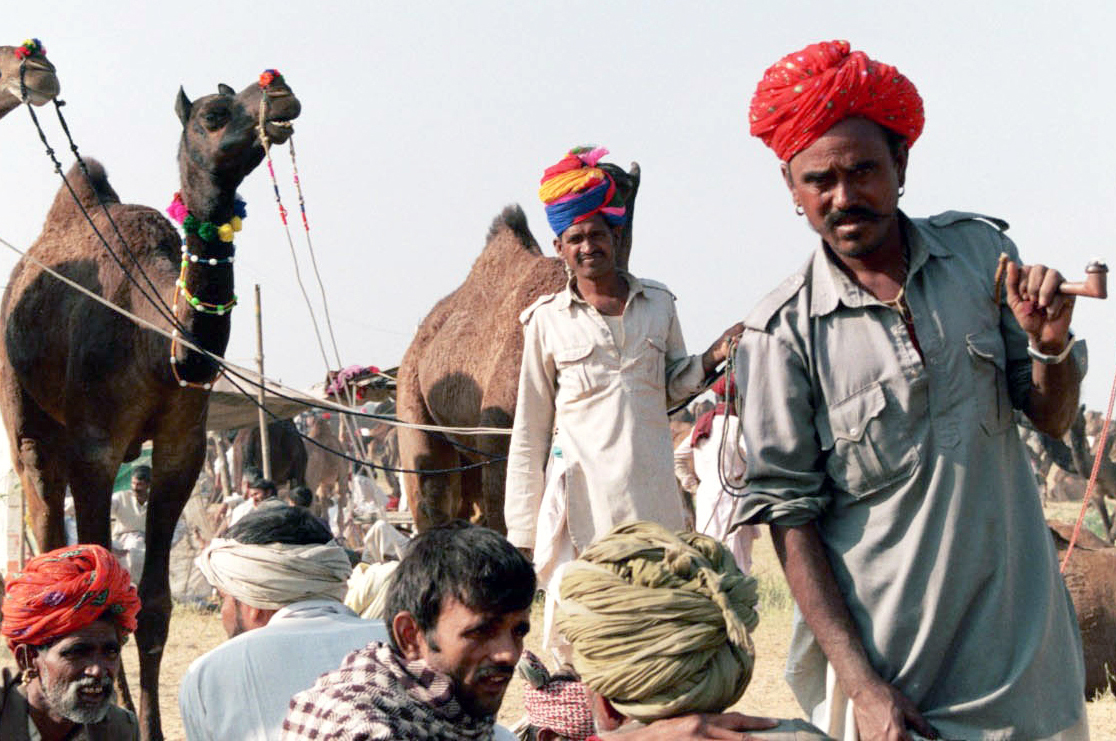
x: 83, y: 388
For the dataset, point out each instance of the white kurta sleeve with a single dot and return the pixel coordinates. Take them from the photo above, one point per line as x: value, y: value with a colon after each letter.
x: 684, y: 374
x: 531, y: 437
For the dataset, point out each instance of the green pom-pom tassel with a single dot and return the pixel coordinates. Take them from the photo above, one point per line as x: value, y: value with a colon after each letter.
x: 208, y: 231
x: 190, y: 224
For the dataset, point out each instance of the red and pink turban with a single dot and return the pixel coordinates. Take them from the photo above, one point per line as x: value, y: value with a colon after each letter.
x: 556, y: 703
x: 65, y: 590
x: 806, y: 93
x: 575, y: 188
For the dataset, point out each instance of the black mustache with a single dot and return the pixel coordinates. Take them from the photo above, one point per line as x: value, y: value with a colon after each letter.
x: 503, y: 672
x: 861, y: 212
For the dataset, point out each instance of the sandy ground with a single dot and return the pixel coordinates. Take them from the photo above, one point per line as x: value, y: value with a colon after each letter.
x: 193, y: 632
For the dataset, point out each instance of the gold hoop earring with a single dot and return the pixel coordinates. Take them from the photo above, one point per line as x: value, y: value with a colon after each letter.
x: 29, y: 676
x: 799, y: 210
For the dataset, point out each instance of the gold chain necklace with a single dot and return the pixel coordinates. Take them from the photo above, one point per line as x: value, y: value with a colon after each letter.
x: 899, y: 303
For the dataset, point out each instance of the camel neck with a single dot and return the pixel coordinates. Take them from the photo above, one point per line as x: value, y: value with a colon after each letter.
x: 8, y: 103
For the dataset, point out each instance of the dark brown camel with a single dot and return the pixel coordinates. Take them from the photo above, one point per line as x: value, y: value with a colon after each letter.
x: 462, y: 369
x: 1075, y: 456
x: 285, y: 449
x: 39, y: 79
x: 82, y: 387
x: 1091, y: 579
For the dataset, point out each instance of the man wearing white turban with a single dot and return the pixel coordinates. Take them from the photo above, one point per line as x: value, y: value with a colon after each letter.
x: 281, y: 578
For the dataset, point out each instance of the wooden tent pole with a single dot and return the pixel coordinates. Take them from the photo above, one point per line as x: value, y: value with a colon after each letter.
x: 265, y: 444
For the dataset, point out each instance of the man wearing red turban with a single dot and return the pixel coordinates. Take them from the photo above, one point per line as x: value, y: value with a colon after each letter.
x: 65, y: 618
x: 882, y: 449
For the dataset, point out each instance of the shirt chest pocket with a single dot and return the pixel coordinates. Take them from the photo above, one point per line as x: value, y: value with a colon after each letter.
x: 867, y: 450
x: 989, y: 391
x: 649, y: 363
x: 579, y: 375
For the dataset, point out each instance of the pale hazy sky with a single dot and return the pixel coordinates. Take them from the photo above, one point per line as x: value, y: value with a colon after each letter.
x: 422, y: 120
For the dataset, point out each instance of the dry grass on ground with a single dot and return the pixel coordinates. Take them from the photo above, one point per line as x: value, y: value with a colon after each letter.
x: 193, y: 632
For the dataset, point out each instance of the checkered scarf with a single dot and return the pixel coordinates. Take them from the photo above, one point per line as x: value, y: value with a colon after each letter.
x: 377, y: 694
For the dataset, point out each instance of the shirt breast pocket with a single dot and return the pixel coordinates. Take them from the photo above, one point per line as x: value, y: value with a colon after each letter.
x: 867, y: 450
x: 651, y: 362
x: 576, y: 377
x: 989, y: 390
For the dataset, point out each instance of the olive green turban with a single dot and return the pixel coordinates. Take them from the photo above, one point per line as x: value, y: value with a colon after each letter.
x: 659, y: 622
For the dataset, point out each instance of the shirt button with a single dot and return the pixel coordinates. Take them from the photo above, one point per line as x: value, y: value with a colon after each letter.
x: 853, y: 430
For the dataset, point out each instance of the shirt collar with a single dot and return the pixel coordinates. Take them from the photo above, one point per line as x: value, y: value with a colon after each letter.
x: 312, y: 608
x: 830, y: 286
x: 569, y: 296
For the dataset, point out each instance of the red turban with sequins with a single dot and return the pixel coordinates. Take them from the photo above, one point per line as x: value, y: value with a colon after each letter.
x: 65, y: 590
x: 806, y: 93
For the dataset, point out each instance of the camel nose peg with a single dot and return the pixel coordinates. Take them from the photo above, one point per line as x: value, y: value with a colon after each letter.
x: 1095, y: 284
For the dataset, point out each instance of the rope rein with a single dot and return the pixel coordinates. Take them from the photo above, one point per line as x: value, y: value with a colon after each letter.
x: 286, y: 228
x: 1101, y: 440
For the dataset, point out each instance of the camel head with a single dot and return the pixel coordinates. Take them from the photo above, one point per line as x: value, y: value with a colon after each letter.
x: 221, y: 141
x: 628, y: 185
x: 38, y: 75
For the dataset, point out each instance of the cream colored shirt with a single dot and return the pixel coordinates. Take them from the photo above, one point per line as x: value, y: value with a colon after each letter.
x: 128, y: 515
x: 608, y: 400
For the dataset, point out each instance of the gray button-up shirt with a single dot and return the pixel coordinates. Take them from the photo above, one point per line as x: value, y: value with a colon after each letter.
x: 609, y: 402
x: 917, y: 480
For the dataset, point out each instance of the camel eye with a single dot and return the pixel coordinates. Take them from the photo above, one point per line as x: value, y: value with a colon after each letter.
x: 215, y: 118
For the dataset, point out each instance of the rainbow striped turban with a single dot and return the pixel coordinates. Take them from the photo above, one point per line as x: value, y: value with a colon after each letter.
x: 806, y: 93
x: 575, y: 188
x: 65, y: 590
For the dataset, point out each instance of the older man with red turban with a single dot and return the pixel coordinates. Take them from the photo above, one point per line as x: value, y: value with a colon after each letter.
x: 882, y: 449
x: 65, y: 617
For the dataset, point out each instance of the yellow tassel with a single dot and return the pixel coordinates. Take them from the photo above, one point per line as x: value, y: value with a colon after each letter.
x: 237, y: 223
x: 225, y: 232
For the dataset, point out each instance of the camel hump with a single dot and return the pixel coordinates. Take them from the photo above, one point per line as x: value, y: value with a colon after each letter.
x: 91, y: 191
x: 513, y: 219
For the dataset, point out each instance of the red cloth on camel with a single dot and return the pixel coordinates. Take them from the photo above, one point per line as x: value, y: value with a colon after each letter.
x: 65, y: 590
x: 806, y: 93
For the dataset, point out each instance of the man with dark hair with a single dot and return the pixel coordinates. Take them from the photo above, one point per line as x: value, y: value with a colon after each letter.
x: 281, y: 578
x: 300, y: 496
x: 880, y: 382
x: 458, y: 611
x: 66, y: 616
x: 129, y: 521
x: 259, y: 492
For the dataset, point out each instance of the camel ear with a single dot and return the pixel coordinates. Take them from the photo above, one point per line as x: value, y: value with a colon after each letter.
x: 182, y: 106
x: 225, y: 90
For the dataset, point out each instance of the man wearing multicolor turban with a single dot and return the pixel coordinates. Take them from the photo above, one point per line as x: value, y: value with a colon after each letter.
x: 882, y: 448
x: 65, y: 617
x: 603, y: 359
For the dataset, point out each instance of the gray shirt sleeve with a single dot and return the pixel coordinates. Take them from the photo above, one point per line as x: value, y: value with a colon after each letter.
x: 785, y: 481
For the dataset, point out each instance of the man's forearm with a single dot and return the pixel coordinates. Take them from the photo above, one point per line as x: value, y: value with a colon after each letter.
x: 811, y: 581
x: 1052, y: 403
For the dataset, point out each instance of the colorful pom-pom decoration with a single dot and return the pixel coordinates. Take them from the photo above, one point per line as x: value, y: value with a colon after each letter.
x: 269, y: 76
x: 30, y: 48
x: 177, y: 209
x: 225, y: 232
